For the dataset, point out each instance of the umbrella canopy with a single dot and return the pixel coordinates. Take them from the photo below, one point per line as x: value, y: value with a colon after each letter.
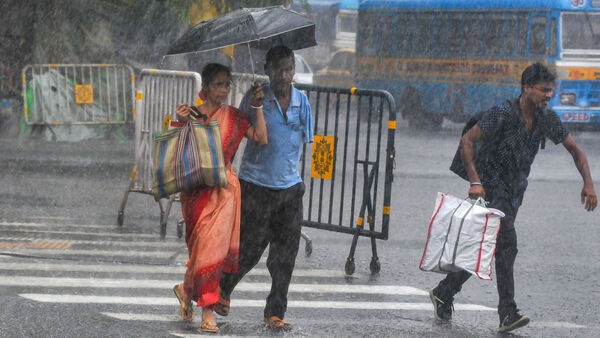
x: 261, y: 28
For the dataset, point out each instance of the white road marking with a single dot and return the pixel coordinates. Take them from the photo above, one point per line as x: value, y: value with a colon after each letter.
x: 71, y: 282
x: 147, y: 317
x: 160, y: 269
x: 354, y: 305
x: 94, y: 253
x: 558, y: 325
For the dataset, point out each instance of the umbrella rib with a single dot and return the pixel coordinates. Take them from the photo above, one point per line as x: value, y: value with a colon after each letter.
x: 281, y: 32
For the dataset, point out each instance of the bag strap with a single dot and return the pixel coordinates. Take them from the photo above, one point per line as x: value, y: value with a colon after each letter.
x: 448, y: 234
x: 462, y: 222
x: 198, y: 115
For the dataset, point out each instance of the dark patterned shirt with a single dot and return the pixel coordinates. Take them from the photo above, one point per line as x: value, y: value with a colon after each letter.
x: 507, y: 151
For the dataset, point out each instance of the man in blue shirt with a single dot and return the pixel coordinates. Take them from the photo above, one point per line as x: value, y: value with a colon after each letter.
x: 509, y: 136
x: 272, y: 187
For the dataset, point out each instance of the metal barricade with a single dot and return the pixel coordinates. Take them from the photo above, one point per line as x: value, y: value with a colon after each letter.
x: 348, y: 170
x: 159, y: 92
x: 77, y: 94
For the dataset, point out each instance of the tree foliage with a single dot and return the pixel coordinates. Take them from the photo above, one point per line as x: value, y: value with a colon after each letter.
x: 181, y: 7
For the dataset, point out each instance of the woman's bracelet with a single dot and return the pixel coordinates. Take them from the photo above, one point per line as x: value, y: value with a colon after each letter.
x: 256, y: 107
x: 475, y: 183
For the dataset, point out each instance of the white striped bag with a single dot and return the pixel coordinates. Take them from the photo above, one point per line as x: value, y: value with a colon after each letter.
x: 461, y: 236
x: 188, y: 157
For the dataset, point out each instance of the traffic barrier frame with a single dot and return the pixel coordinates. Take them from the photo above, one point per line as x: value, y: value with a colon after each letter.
x: 77, y: 94
x: 353, y: 152
x: 158, y: 94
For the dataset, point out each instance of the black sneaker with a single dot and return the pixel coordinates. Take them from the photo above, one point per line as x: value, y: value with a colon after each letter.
x: 442, y: 310
x: 513, y: 321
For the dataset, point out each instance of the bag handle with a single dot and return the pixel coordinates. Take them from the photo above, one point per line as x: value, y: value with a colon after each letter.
x: 480, y: 201
x: 198, y: 115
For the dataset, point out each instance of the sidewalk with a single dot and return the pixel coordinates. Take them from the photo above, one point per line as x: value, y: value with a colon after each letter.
x: 34, y: 153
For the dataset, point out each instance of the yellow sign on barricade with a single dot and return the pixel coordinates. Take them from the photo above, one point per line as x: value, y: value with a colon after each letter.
x: 323, y: 156
x: 84, y: 94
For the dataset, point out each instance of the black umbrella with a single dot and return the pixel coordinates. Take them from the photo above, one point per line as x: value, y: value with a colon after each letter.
x: 261, y: 28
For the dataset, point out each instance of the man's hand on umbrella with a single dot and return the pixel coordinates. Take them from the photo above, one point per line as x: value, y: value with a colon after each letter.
x: 257, y: 95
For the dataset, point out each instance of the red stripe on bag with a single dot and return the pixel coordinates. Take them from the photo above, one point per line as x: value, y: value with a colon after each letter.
x: 429, y: 229
x: 481, y: 250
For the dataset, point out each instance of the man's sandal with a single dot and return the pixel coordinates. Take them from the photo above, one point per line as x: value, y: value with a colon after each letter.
x: 222, y: 306
x: 276, y: 323
x: 185, y: 305
x: 207, y: 326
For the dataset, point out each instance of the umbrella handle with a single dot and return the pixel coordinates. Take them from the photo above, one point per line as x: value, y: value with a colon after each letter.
x: 251, y: 61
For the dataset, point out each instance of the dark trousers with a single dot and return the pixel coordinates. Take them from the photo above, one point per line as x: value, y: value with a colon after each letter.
x: 273, y: 218
x: 506, y: 253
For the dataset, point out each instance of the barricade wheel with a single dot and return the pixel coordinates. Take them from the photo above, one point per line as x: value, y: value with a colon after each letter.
x: 350, y: 266
x: 375, y: 266
x: 120, y: 218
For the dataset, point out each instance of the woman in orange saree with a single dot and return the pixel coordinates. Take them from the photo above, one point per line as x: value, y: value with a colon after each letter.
x: 212, y: 214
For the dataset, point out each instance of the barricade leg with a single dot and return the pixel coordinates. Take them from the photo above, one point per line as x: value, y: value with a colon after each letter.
x: 180, y: 225
x: 121, y: 213
x: 366, y: 205
x: 308, y: 246
x: 164, y: 216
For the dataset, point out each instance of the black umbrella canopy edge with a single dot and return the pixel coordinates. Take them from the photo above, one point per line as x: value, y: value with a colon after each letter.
x: 192, y: 39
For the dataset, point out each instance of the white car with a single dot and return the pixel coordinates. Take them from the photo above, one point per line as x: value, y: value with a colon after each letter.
x: 304, y: 74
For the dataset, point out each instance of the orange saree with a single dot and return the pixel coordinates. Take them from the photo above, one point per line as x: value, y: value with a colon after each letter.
x: 212, y: 218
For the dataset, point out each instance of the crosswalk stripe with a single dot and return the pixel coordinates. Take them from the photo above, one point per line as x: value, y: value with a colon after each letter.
x: 175, y: 318
x: 354, y: 305
x: 161, y: 269
x: 167, y: 284
x: 95, y: 253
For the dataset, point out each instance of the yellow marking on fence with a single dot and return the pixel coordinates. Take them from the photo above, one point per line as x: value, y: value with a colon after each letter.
x: 139, y: 96
x: 167, y: 122
x: 84, y: 94
x: 133, y: 173
x: 54, y: 65
x: 24, y: 79
x: 392, y: 125
x: 353, y: 90
x: 386, y: 209
x: 360, y: 221
x: 323, y: 157
x: 56, y: 123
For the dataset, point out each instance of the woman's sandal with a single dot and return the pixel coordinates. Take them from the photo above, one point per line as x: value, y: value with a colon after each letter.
x: 276, y: 323
x: 185, y: 307
x: 222, y: 306
x: 207, y: 326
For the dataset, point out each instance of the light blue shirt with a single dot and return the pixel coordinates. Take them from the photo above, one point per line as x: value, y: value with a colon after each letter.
x: 275, y: 165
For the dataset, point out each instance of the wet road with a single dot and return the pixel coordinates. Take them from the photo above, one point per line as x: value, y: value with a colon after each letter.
x: 67, y: 270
